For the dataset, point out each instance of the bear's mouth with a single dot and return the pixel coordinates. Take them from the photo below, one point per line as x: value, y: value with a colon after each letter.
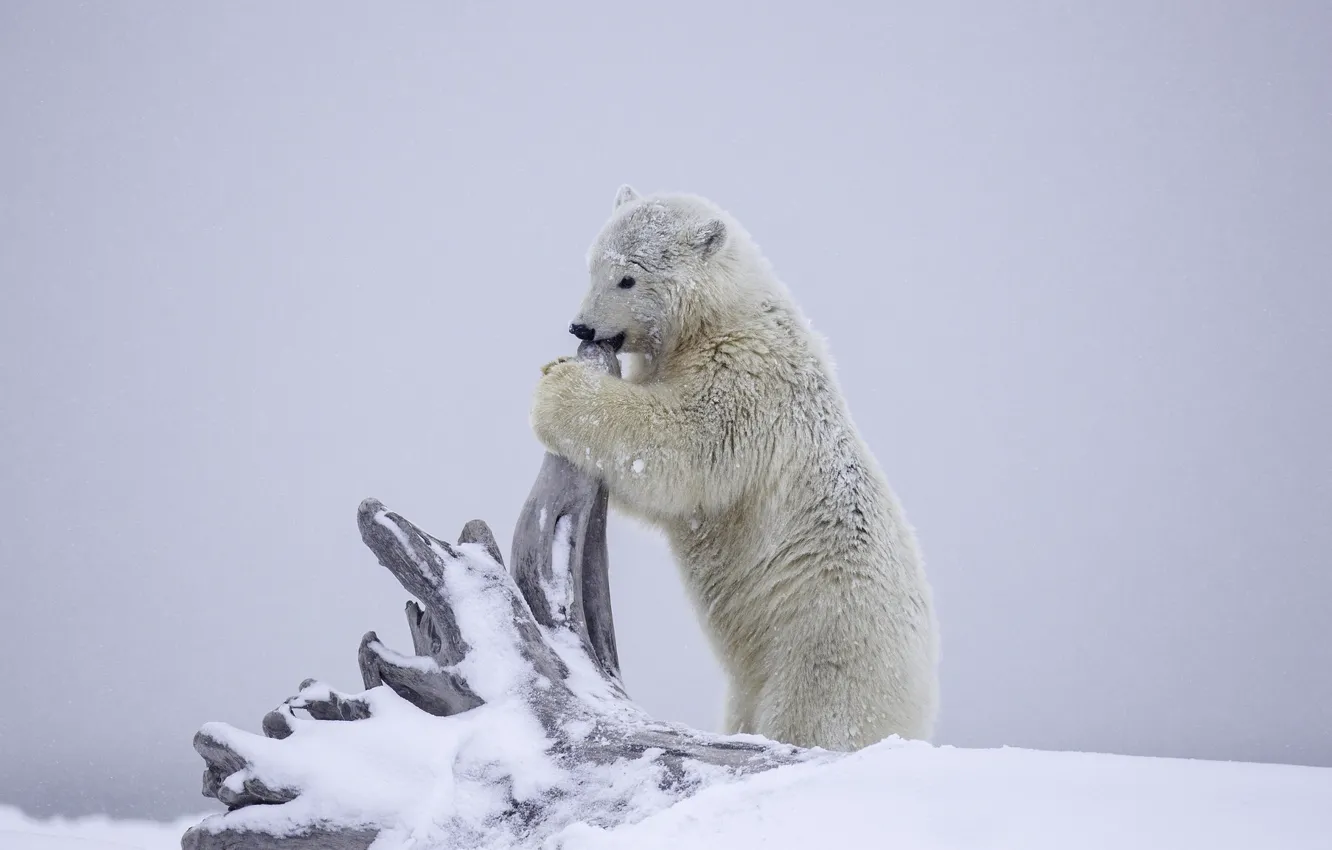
x: 615, y: 342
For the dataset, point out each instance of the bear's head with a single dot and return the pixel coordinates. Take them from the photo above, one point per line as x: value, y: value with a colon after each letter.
x: 655, y: 267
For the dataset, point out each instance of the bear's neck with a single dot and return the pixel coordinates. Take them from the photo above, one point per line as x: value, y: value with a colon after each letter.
x: 755, y: 310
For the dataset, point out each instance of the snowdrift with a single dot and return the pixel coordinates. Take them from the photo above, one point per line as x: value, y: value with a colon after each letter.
x: 908, y: 796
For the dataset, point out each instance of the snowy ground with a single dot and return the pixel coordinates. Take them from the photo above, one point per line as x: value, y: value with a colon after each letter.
x: 933, y: 798
x: 915, y: 797
x: 19, y: 832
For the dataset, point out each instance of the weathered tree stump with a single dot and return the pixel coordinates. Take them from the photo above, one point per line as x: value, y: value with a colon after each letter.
x: 508, y: 721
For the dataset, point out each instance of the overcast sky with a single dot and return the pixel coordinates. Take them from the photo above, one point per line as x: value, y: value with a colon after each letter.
x: 260, y: 261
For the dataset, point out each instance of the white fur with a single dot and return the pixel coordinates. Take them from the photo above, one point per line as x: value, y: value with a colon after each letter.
x: 732, y: 437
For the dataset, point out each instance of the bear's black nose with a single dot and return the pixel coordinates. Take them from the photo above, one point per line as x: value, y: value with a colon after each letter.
x: 582, y: 331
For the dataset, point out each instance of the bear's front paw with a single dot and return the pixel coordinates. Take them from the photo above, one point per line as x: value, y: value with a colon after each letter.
x: 564, y: 393
x: 545, y: 370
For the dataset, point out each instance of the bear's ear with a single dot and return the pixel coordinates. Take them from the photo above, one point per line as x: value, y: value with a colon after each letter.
x: 709, y: 237
x: 624, y: 195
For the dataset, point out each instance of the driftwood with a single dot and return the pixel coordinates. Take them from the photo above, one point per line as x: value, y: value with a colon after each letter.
x: 506, y: 724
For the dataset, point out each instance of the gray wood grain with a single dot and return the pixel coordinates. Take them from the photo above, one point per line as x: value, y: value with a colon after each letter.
x: 562, y: 492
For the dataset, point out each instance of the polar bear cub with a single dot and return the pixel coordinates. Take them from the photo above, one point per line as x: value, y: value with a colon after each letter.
x: 732, y: 438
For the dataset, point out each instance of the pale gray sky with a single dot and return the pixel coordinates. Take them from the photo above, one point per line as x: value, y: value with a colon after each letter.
x: 260, y: 261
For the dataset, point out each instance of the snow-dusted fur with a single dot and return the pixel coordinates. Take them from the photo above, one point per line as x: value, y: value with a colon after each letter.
x: 733, y: 438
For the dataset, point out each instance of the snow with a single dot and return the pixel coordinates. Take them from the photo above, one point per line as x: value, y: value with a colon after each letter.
x: 416, y: 662
x: 927, y: 798
x: 21, y: 832
x: 906, y: 796
x: 895, y: 794
x: 396, y: 767
x: 557, y: 588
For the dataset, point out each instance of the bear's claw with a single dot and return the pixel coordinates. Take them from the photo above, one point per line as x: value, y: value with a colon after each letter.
x: 545, y: 370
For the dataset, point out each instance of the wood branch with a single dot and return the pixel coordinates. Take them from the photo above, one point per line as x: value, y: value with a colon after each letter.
x: 510, y: 700
x: 563, y: 494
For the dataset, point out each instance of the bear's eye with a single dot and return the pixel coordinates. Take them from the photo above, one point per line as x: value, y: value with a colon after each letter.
x: 626, y: 282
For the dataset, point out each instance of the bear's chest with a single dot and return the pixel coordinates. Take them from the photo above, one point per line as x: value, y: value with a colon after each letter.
x: 723, y: 557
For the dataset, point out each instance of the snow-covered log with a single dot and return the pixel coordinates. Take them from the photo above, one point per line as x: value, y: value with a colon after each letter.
x: 506, y: 723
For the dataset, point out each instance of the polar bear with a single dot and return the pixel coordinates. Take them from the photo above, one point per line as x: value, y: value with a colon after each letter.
x: 732, y: 437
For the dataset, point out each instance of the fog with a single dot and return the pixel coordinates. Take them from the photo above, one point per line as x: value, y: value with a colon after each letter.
x: 260, y: 261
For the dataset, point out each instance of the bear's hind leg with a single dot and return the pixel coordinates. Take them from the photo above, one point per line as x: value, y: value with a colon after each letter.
x: 812, y: 703
x: 739, y: 712
x: 829, y: 708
